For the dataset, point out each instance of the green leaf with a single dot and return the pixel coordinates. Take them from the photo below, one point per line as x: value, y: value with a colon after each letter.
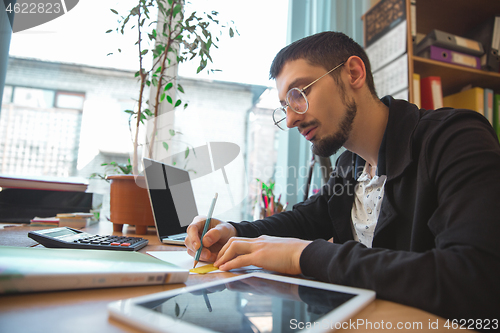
x: 169, y: 99
x: 163, y: 97
x: 231, y: 32
x: 144, y: 52
x: 186, y: 153
x: 179, y: 102
x: 168, y: 86
x: 179, y: 87
x: 109, y: 31
x: 177, y: 10
x: 172, y: 132
x: 165, y: 145
x: 177, y: 308
x: 114, y: 11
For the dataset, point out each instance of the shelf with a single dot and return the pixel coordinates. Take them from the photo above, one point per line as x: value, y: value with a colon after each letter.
x: 453, y: 77
x: 454, y: 16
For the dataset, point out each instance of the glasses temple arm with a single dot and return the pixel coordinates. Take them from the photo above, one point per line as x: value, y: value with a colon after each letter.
x: 310, y: 84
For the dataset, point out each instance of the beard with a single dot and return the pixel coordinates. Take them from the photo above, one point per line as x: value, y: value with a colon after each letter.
x: 331, y: 144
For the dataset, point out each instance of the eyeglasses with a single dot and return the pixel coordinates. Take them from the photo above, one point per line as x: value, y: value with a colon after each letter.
x: 297, y: 101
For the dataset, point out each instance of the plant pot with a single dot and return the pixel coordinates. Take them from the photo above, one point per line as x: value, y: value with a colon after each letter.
x: 129, y: 203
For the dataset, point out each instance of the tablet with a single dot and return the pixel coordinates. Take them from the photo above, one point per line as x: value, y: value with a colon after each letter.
x: 256, y: 302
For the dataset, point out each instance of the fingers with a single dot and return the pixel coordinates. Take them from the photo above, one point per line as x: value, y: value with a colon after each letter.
x: 205, y: 255
x: 194, y: 230
x: 235, y: 253
x: 216, y: 236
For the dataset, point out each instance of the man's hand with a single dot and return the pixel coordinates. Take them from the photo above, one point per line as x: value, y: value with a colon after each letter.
x: 217, y: 235
x: 272, y: 253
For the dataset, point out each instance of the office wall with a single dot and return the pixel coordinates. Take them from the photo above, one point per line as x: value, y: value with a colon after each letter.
x: 5, y: 34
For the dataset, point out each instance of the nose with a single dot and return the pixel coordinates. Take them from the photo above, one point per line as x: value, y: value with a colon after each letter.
x: 293, y: 118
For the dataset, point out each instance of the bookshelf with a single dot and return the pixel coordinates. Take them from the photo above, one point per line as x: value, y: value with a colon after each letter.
x: 453, y: 16
x: 456, y: 17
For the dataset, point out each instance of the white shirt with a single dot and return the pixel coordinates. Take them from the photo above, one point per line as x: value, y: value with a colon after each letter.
x: 368, y: 196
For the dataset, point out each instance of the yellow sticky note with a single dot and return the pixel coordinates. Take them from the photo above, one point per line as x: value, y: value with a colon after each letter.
x: 204, y: 269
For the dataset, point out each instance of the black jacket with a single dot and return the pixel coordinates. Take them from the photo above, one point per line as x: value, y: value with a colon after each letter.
x: 437, y: 241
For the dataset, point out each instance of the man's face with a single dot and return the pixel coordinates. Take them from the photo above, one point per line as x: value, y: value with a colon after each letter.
x: 328, y: 121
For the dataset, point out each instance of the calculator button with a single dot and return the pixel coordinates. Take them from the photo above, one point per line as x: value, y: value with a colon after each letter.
x: 125, y: 244
x: 115, y: 243
x: 84, y: 241
x: 105, y: 243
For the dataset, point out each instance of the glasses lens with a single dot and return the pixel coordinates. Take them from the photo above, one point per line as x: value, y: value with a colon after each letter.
x: 279, y: 118
x: 297, y: 100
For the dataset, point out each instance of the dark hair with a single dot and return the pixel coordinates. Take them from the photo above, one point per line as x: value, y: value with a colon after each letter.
x: 326, y: 49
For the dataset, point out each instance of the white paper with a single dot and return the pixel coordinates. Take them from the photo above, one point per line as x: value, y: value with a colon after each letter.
x: 184, y: 260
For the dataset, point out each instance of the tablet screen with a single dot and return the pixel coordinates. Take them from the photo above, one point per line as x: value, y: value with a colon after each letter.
x: 251, y: 304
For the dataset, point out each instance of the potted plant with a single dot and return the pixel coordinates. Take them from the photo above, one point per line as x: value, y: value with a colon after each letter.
x: 170, y: 37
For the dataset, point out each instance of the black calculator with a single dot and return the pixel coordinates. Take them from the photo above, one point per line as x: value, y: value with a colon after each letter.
x: 69, y: 238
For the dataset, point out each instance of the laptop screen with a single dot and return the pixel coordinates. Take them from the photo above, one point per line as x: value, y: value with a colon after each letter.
x: 171, y: 195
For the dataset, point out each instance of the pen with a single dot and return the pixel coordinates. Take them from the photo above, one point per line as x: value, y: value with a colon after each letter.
x: 207, y: 223
x: 207, y: 301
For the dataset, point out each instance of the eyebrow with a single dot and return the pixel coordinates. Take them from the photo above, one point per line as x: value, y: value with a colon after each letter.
x: 295, y: 83
x: 299, y: 81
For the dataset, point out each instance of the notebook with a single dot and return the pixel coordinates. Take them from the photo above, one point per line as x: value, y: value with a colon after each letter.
x: 172, y: 200
x: 33, y: 269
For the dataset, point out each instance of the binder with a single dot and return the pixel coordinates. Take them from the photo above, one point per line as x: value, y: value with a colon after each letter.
x: 451, y: 42
x: 488, y: 104
x: 452, y: 57
x: 472, y: 99
x: 488, y: 33
x: 496, y: 114
x: 431, y: 93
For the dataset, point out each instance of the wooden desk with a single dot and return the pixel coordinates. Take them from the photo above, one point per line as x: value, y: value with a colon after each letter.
x: 86, y: 310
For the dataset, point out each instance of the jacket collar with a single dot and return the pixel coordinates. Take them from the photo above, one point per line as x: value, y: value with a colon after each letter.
x: 403, y: 119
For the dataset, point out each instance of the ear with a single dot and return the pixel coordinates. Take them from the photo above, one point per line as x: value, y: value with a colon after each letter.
x: 356, y: 71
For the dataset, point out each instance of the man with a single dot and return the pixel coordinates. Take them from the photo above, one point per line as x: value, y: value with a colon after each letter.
x: 413, y: 205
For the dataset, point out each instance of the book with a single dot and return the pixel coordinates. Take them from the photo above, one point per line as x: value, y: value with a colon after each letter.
x: 25, y: 269
x: 43, y: 183
x: 472, y: 99
x: 488, y: 104
x: 44, y: 222
x: 431, y: 93
x: 416, y: 89
x: 76, y: 220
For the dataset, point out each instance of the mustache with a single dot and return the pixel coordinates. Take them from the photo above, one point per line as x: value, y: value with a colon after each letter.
x: 302, y: 126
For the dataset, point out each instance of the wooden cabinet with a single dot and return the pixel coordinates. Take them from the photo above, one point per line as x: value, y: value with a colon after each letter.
x: 456, y: 17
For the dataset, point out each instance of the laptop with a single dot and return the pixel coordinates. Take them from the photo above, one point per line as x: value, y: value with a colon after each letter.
x: 172, y: 200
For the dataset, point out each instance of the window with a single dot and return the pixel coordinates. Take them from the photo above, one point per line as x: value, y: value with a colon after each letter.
x: 36, y: 137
